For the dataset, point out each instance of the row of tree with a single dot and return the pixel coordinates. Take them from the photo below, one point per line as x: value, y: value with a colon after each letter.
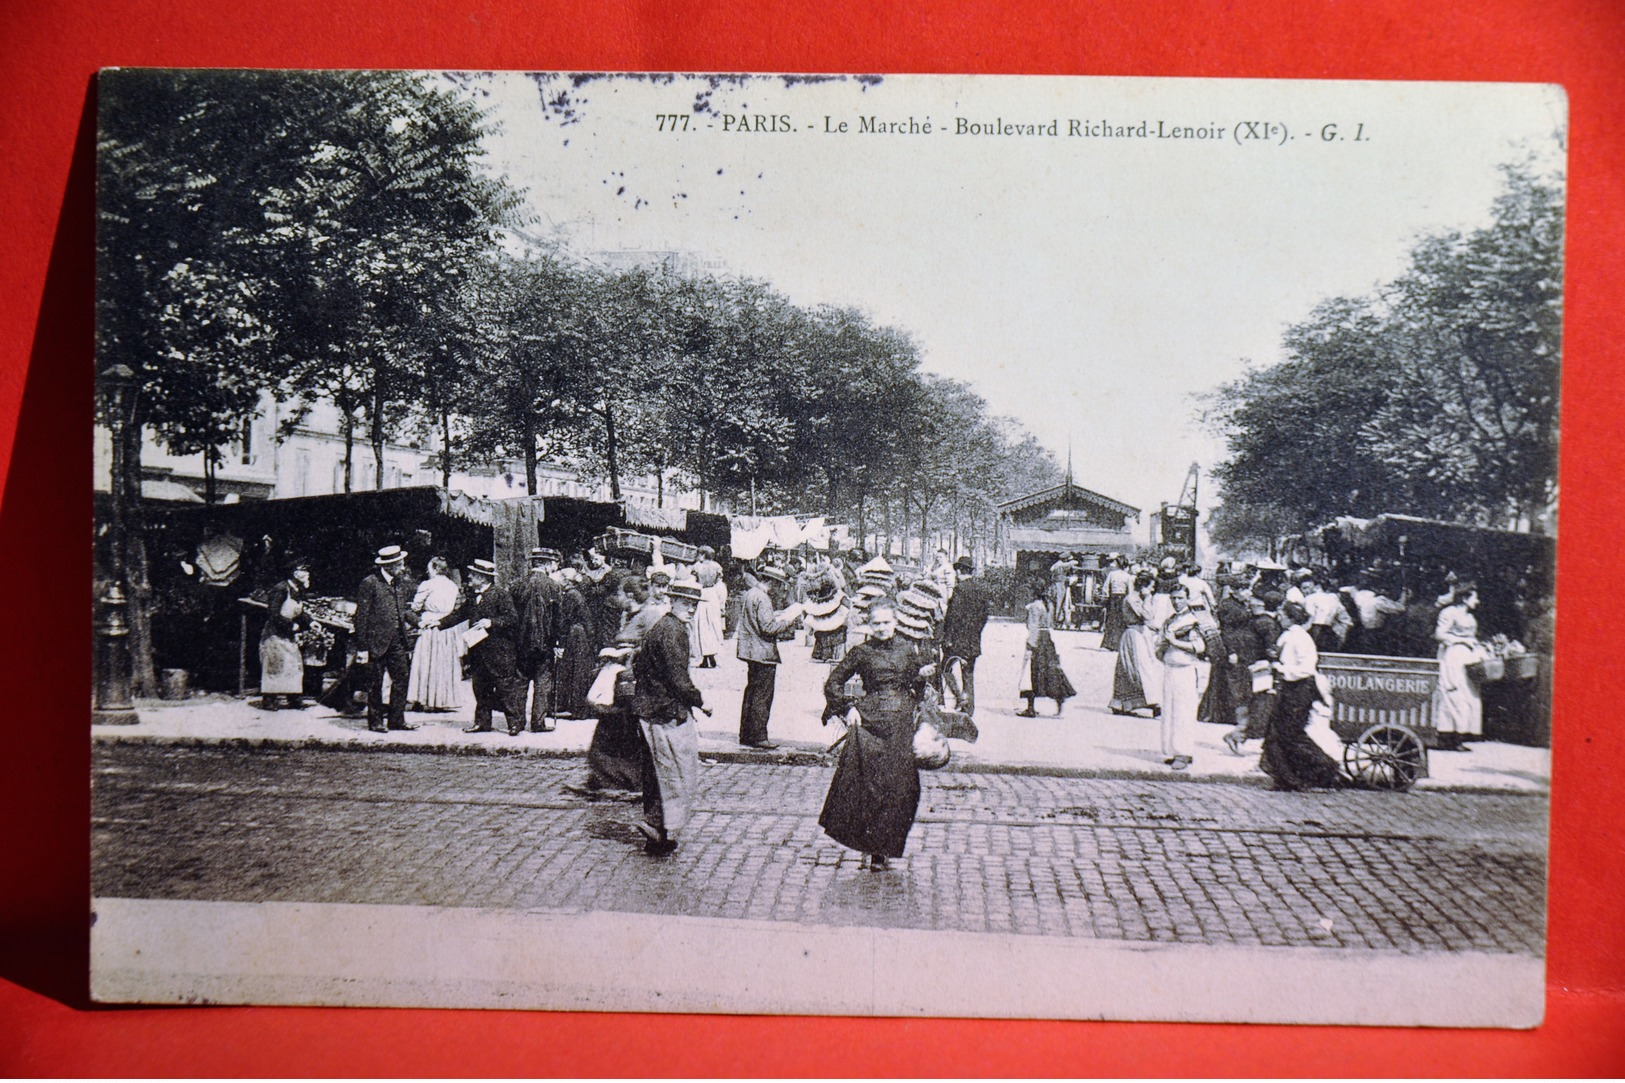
x: 729, y: 387
x: 334, y: 236
x: 331, y: 236
x: 1436, y: 395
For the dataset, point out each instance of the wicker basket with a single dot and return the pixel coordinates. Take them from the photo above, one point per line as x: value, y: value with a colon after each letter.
x: 681, y: 552
x: 1490, y: 669
x: 1522, y: 667
x: 619, y: 541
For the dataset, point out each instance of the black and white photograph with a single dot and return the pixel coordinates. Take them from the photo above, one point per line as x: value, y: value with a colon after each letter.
x: 894, y: 545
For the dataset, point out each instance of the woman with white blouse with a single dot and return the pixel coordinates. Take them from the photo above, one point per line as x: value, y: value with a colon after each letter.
x: 434, y: 683
x: 1180, y: 647
x: 1458, y: 706
x: 1291, y: 758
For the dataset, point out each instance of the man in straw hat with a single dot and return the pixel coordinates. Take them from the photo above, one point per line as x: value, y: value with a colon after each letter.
x: 664, y: 703
x: 383, y: 636
x: 494, y: 655
x: 760, y: 625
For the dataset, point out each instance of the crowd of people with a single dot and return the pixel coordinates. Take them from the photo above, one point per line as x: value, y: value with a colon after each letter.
x: 1247, y: 653
x: 591, y: 638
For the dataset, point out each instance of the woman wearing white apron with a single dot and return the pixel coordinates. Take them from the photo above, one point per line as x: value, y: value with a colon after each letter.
x: 1458, y: 708
x: 436, y: 675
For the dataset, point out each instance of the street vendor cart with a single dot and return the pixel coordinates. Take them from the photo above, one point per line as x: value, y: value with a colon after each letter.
x: 1382, y: 711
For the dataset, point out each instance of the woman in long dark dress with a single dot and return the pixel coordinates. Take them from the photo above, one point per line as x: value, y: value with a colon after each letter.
x: 1291, y: 758
x: 579, y: 664
x: 617, y: 753
x: 876, y: 789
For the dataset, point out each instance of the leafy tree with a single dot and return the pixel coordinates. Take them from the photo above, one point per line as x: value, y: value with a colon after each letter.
x: 389, y: 215
x: 531, y: 332
x: 1435, y: 396
x: 719, y: 424
x: 848, y: 392
x: 1294, y: 429
x: 626, y: 361
x: 1474, y: 409
x: 276, y: 230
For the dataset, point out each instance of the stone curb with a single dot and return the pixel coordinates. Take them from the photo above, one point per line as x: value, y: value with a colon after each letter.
x: 783, y: 757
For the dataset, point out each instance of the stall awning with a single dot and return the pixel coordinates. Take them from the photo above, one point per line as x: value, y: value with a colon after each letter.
x: 645, y: 515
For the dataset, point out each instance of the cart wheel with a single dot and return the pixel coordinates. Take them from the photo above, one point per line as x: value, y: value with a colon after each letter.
x: 1386, y: 757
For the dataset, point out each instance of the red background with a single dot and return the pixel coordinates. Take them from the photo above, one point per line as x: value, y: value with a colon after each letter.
x: 51, y: 50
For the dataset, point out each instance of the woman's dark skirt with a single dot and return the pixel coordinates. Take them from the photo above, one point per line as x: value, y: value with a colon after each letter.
x: 829, y: 646
x: 1291, y: 758
x: 1128, y: 694
x: 1111, y: 631
x: 617, y: 754
x: 576, y: 671
x: 1046, y: 678
x: 1218, y: 704
x: 876, y: 789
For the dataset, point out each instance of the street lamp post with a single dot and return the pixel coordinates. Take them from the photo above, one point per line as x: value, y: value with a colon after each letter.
x: 113, y: 707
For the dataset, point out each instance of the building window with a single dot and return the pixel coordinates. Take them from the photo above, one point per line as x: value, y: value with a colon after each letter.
x: 241, y: 450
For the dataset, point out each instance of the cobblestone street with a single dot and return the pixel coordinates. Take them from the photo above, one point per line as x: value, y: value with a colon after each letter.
x: 1119, y: 860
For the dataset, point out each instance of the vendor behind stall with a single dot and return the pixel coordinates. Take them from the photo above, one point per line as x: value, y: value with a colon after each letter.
x: 282, y: 667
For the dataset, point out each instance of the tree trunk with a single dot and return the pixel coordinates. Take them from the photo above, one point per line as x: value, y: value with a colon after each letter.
x: 902, y: 522
x: 445, y: 449
x: 210, y: 458
x: 349, y: 444
x: 611, y: 452
x: 377, y: 433
x: 530, y: 452
x: 863, y: 526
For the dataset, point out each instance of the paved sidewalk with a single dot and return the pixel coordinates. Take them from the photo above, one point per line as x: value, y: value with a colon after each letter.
x: 1086, y: 739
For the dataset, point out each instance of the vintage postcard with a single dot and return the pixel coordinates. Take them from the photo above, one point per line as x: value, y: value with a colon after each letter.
x: 980, y: 546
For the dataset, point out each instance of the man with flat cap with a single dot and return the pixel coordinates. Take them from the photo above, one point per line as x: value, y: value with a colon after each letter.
x: 664, y: 703
x: 540, y: 601
x: 384, y: 634
x: 760, y: 626
x: 493, y: 656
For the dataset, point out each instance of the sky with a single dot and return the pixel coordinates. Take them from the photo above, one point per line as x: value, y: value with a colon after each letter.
x: 1090, y: 285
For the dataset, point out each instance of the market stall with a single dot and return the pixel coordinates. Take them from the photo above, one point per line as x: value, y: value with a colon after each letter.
x: 211, y: 565
x: 1419, y: 559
